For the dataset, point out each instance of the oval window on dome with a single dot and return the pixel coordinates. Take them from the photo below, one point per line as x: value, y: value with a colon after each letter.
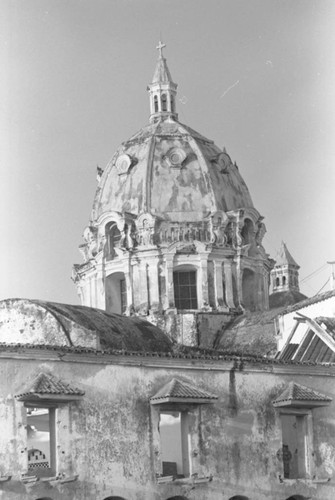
x: 123, y: 163
x: 175, y: 157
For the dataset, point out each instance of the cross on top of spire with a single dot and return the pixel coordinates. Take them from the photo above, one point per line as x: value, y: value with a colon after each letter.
x: 160, y: 47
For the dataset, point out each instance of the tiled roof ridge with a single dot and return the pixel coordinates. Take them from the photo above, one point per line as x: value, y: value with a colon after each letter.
x: 220, y: 356
x: 47, y: 383
x: 179, y: 389
x: 299, y: 392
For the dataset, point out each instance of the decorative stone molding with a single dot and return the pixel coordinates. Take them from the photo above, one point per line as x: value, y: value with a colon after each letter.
x: 145, y: 225
x: 172, y: 232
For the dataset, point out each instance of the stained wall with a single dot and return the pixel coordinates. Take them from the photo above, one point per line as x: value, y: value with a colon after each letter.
x: 110, y: 439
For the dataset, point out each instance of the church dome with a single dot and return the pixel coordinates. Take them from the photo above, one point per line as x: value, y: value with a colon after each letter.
x: 173, y: 230
x: 167, y: 169
x: 170, y: 171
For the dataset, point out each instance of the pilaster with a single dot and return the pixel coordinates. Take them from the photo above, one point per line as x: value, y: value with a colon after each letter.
x: 227, y: 269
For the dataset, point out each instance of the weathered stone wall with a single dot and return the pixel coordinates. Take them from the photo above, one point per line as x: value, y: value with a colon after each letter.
x: 110, y: 437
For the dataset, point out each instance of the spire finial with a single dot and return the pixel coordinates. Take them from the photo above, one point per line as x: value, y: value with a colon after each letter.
x: 160, y: 47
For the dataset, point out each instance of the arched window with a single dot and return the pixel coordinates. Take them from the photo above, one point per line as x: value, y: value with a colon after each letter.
x: 239, y: 497
x: 178, y: 497
x: 247, y: 232
x: 277, y: 282
x: 284, y: 280
x: 156, y: 104
x: 114, y: 498
x: 297, y: 497
x: 172, y: 103
x: 164, y: 102
x: 116, y: 293
x: 185, y: 288
x: 113, y: 237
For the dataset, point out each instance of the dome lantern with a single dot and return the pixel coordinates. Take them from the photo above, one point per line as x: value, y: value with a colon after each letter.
x: 162, y: 91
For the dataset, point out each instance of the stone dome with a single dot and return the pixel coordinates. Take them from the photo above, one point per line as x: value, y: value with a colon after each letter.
x: 169, y: 170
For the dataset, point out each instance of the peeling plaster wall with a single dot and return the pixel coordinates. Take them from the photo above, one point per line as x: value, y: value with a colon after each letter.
x: 111, y: 439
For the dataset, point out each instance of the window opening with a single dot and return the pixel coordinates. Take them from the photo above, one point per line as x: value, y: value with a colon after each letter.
x: 284, y: 280
x: 116, y: 293
x: 172, y: 104
x: 247, y: 232
x: 156, y: 103
x: 113, y: 237
x: 277, y: 281
x: 297, y: 497
x: 173, y: 428
x: 185, y: 290
x: 123, y: 294
x: 249, y: 289
x: 294, y: 435
x: 114, y: 498
x: 41, y: 441
x: 238, y: 497
x: 164, y: 102
x: 178, y: 497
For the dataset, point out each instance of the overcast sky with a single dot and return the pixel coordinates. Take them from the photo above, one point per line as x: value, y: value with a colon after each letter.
x: 256, y: 76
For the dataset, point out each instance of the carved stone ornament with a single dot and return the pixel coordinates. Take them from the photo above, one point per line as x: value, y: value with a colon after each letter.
x: 219, y: 221
x: 123, y: 164
x: 145, y: 229
x: 175, y: 157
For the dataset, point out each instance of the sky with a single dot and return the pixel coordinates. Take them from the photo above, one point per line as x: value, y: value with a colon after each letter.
x: 255, y: 76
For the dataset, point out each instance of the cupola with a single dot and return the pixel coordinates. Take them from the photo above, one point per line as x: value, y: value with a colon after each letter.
x: 162, y: 91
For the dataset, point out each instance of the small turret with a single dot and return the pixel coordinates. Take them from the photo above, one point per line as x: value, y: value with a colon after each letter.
x: 285, y: 280
x: 285, y: 274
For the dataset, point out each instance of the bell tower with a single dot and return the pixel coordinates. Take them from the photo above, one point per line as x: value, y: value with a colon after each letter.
x: 285, y: 274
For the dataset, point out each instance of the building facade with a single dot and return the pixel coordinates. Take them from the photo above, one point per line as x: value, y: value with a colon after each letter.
x: 81, y: 423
